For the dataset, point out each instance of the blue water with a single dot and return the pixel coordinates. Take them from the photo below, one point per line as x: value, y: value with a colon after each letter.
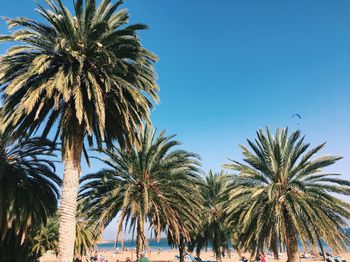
x: 163, y: 244
x: 153, y: 244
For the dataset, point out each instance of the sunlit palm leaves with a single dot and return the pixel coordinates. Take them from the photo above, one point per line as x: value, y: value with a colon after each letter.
x: 85, y: 71
x: 28, y: 189
x: 46, y: 238
x: 281, y: 193
x: 153, y: 184
x: 86, y: 235
x: 76, y: 75
x: 213, y: 228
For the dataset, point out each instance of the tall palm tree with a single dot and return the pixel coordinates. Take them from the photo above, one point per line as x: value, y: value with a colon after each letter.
x: 281, y: 194
x: 78, y: 75
x: 29, y: 191
x: 213, y: 229
x: 153, y: 183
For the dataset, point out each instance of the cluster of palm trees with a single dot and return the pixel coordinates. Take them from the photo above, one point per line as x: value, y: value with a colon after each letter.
x: 85, y: 81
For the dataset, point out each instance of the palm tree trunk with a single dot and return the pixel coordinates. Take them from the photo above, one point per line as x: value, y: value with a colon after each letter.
x: 182, y: 249
x: 321, y: 246
x: 291, y: 240
x: 218, y: 256
x: 138, y: 245
x: 140, y: 239
x: 216, y: 246
x: 275, y: 246
x: 319, y: 243
x: 72, y: 149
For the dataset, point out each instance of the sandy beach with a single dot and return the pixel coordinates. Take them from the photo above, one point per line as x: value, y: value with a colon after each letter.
x: 169, y: 255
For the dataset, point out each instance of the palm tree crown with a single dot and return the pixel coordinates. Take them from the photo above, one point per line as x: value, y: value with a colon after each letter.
x: 152, y: 183
x: 280, y: 192
x: 29, y: 191
x: 82, y: 70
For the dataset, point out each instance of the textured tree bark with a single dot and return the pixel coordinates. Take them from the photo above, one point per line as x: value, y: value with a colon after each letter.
x: 319, y: 243
x: 140, y: 239
x: 275, y: 246
x: 217, y: 247
x: 321, y: 246
x: 182, y: 249
x: 291, y: 240
x: 67, y: 229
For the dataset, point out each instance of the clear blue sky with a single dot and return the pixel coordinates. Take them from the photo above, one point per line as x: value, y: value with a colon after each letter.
x: 229, y: 67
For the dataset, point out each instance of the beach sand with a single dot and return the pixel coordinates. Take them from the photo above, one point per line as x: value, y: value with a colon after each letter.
x: 169, y: 255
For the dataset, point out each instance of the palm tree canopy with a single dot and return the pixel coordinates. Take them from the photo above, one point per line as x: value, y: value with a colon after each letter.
x: 86, y: 234
x: 46, y: 237
x: 153, y: 181
x: 213, y: 228
x: 29, y: 187
x: 281, y: 183
x: 85, y: 72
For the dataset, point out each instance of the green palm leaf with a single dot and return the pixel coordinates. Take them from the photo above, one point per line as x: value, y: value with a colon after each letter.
x: 152, y: 184
x: 280, y: 194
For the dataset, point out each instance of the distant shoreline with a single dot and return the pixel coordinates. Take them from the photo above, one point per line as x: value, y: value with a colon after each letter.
x: 104, y: 241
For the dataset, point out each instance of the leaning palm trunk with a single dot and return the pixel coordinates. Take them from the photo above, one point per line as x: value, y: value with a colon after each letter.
x: 67, y: 229
x: 321, y: 246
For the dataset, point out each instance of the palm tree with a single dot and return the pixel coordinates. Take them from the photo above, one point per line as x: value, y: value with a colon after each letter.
x: 81, y: 74
x: 213, y: 228
x: 153, y: 184
x: 86, y: 234
x: 189, y: 225
x: 29, y: 191
x: 46, y: 237
x: 281, y: 194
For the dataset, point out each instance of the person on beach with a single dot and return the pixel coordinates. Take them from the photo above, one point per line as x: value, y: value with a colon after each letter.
x: 95, y: 256
x: 144, y: 258
x: 244, y: 259
x: 262, y: 258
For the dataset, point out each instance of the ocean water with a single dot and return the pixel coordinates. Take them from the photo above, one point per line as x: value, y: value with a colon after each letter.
x: 153, y: 244
x: 163, y: 245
